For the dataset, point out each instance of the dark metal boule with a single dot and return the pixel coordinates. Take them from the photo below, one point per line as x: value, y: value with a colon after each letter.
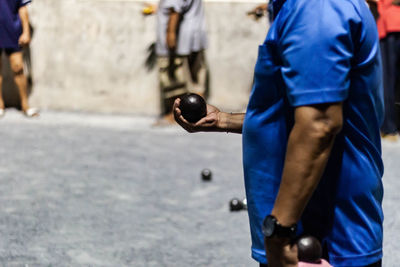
x: 206, y: 175
x: 235, y: 204
x: 309, y: 249
x: 193, y: 107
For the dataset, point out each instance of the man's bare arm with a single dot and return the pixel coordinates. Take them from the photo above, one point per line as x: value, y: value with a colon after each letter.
x: 172, y: 29
x: 231, y: 122
x: 309, y: 146
x: 25, y: 37
x: 214, y: 121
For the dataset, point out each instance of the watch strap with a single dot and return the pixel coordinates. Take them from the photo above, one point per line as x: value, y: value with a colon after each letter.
x: 278, y: 229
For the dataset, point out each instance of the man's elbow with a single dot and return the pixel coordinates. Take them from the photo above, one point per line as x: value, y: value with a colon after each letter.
x: 319, y: 123
x: 326, y: 129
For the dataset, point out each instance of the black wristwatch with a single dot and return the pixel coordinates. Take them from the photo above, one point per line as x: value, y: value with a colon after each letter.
x: 271, y: 227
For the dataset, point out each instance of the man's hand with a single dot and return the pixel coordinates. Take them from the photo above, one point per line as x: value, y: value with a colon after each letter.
x: 281, y: 252
x: 207, y: 124
x: 258, y: 11
x: 24, y: 39
x: 214, y: 121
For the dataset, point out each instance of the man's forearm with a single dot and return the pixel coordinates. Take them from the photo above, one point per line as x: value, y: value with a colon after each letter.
x: 173, y: 22
x: 231, y: 122
x: 24, y: 16
x: 172, y: 29
x: 306, y: 157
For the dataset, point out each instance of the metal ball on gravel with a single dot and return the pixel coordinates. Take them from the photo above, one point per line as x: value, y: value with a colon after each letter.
x: 235, y: 204
x: 206, y: 175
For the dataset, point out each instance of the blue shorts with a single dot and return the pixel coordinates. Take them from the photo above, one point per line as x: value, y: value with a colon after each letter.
x: 10, y: 51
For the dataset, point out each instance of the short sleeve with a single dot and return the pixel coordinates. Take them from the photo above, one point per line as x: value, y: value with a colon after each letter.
x: 22, y: 3
x: 176, y: 5
x: 316, y: 48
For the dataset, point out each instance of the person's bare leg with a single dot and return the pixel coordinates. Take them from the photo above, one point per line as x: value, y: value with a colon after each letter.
x: 1, y: 87
x: 17, y: 67
x: 198, y: 73
x: 170, y: 88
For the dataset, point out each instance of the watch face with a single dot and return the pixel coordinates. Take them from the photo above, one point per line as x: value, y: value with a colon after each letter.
x: 268, y: 226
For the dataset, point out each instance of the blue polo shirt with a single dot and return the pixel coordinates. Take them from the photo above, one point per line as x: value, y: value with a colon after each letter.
x: 320, y: 51
x: 10, y: 23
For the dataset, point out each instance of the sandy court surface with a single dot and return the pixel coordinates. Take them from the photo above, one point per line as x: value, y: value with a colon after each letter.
x: 109, y: 190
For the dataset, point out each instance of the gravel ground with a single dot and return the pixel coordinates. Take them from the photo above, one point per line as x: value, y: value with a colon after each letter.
x: 109, y: 190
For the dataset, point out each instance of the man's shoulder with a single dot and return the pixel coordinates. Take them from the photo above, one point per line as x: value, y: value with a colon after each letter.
x: 176, y: 5
x: 320, y: 5
x: 319, y: 11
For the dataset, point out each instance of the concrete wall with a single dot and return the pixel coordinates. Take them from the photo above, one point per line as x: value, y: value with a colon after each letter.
x: 89, y: 55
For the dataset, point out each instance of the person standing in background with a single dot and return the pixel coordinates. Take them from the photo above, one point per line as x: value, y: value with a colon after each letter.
x: 388, y: 23
x: 14, y: 34
x: 181, y: 41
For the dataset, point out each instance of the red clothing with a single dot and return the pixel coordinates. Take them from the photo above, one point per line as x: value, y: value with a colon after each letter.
x: 389, y: 19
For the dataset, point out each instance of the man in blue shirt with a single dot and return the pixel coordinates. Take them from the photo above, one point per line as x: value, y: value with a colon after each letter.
x: 14, y: 34
x: 311, y: 143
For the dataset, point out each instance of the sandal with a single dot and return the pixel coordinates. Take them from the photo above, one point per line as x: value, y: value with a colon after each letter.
x: 31, y: 112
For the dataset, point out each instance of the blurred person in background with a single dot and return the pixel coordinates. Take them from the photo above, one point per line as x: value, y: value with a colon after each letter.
x: 388, y: 23
x: 15, y: 34
x: 181, y: 41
